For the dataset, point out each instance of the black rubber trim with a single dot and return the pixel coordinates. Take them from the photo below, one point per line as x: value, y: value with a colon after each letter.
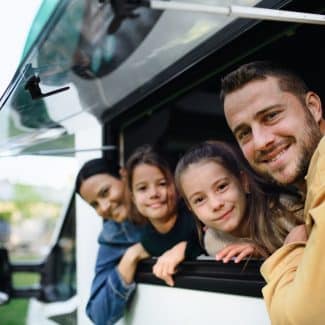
x: 208, y: 275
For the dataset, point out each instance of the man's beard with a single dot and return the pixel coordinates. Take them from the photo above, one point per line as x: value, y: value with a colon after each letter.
x: 309, y: 142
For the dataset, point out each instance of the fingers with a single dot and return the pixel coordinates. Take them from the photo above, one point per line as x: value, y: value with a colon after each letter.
x: 164, y: 271
x: 239, y: 252
x: 226, y: 253
x: 244, y: 253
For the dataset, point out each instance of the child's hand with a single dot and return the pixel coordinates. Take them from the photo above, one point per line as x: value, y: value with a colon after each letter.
x: 129, y: 261
x: 298, y: 233
x: 136, y: 253
x: 166, y: 264
x: 239, y: 251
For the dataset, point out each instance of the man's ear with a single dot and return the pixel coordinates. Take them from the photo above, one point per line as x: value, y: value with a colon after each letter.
x: 314, y: 105
x: 244, y: 182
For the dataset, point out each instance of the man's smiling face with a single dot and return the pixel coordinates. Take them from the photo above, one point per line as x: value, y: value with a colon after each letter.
x: 275, y: 130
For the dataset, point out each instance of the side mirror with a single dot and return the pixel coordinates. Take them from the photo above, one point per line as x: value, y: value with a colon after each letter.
x: 5, y: 277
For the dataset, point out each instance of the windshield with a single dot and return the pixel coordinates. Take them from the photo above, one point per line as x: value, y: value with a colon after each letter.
x: 24, y: 29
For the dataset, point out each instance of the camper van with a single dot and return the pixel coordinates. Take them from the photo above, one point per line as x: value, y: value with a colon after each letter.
x: 100, y: 78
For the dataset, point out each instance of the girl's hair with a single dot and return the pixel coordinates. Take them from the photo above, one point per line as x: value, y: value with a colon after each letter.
x: 145, y: 155
x: 264, y: 209
x: 94, y: 167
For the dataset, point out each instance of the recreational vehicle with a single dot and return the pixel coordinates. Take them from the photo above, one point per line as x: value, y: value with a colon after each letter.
x: 99, y: 78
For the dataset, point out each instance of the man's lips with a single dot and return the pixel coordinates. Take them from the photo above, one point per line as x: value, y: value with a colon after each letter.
x: 273, y: 155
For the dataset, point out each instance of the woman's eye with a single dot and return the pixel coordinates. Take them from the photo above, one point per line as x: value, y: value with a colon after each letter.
x: 104, y: 192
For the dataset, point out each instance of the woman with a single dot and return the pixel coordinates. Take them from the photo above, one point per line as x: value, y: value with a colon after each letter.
x: 100, y: 185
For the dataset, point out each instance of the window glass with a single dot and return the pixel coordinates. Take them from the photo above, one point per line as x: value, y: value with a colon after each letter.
x: 90, y: 51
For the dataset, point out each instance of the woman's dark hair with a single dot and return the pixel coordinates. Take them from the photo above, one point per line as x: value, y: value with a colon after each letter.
x: 265, y: 212
x: 94, y: 167
x: 145, y: 155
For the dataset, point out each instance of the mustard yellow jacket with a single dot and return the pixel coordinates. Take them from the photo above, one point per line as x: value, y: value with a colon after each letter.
x: 295, y: 273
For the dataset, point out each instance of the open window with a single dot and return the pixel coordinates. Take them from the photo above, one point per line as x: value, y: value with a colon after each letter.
x: 187, y: 110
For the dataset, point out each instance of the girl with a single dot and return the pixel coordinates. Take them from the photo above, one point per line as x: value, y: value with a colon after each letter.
x: 170, y: 231
x: 243, y: 215
x: 99, y: 184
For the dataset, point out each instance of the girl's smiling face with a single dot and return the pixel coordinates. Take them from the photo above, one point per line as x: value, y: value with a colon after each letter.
x: 216, y: 196
x: 154, y: 195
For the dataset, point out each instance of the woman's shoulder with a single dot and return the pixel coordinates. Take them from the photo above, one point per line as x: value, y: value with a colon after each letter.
x: 120, y: 232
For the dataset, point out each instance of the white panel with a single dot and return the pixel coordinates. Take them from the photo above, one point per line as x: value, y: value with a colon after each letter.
x: 88, y: 222
x: 162, y: 305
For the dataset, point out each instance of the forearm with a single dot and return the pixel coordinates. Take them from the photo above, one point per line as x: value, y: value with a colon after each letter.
x: 127, y: 268
x: 129, y: 262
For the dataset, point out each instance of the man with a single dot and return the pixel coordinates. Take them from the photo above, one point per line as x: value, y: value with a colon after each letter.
x: 278, y: 124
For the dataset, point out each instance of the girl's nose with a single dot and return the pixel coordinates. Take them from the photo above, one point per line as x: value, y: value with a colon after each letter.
x: 216, y: 202
x: 153, y: 192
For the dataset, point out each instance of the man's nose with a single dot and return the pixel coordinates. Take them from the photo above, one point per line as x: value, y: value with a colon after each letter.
x: 262, y: 137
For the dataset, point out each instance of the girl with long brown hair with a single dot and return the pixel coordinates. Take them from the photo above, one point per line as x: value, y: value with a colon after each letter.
x: 243, y: 214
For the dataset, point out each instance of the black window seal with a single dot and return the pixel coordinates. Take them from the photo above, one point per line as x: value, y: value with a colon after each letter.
x: 242, y: 279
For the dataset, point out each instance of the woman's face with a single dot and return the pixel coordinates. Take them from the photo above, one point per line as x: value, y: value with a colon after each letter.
x: 106, y: 194
x: 153, y: 194
x: 215, y: 195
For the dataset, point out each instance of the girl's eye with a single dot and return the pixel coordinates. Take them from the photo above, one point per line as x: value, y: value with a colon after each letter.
x: 163, y: 183
x: 141, y: 188
x: 222, y: 187
x: 197, y: 200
